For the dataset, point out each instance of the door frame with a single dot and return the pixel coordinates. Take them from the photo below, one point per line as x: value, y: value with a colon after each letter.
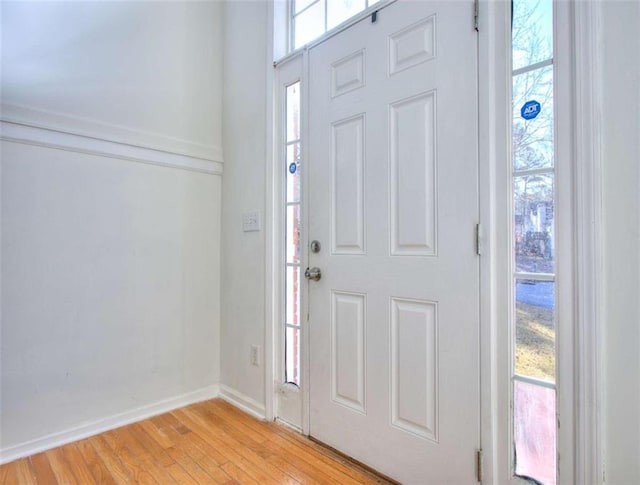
x: 579, y: 48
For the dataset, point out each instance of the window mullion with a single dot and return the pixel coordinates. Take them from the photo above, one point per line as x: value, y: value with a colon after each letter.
x: 534, y: 171
x: 294, y: 14
x: 533, y: 67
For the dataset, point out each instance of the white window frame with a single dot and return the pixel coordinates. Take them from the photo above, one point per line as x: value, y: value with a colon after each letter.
x: 288, y: 402
x: 281, y: 13
x: 577, y: 100
x: 292, y: 14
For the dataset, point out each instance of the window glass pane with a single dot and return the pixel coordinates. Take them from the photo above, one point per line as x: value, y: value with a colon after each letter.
x: 532, y: 32
x: 533, y: 119
x: 309, y: 25
x: 293, y: 112
x: 293, y: 173
x: 533, y: 223
x: 293, y: 234
x: 292, y: 349
x: 535, y: 432
x: 535, y: 329
x: 301, y: 4
x: 293, y: 295
x: 340, y: 10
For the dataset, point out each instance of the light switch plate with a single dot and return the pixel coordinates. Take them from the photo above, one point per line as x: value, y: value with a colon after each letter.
x: 251, y: 221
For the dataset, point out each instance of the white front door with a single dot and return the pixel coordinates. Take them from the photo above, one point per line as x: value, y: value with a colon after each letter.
x: 393, y: 201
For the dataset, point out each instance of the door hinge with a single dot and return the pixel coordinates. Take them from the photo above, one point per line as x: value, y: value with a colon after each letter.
x: 478, y: 239
x: 476, y: 14
x: 479, y: 465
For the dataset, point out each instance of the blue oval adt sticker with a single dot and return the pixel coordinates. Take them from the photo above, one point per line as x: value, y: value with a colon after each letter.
x: 530, y: 110
x: 293, y: 167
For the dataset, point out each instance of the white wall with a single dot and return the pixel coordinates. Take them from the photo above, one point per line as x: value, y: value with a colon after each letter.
x: 244, y: 134
x: 145, y: 73
x: 621, y: 184
x: 111, y: 267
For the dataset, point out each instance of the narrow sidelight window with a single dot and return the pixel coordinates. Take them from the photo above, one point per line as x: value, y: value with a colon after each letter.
x: 533, y: 320
x: 292, y: 235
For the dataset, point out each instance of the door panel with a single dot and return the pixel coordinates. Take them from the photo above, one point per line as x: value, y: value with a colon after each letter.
x: 347, y: 184
x: 412, y: 167
x: 394, y: 349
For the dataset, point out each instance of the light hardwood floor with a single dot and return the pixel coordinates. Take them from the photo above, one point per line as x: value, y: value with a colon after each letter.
x: 208, y: 442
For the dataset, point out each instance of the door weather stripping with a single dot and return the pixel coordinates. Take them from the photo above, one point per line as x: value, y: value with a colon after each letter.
x: 479, y: 465
x: 476, y: 14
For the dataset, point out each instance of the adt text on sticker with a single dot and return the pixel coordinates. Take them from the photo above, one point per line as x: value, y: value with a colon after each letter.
x: 530, y: 110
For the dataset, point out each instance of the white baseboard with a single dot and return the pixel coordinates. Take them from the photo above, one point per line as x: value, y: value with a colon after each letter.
x: 243, y: 402
x: 100, y: 426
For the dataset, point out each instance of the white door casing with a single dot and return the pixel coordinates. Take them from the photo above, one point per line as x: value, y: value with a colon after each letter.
x: 393, y: 199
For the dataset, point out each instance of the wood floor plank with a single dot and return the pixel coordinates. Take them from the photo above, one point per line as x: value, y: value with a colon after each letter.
x: 78, y: 466
x: 206, y: 443
x: 180, y: 475
x: 167, y: 423
x: 134, y: 466
x: 306, y: 446
x: 4, y: 469
x: 239, y: 475
x: 190, y: 466
x: 11, y: 473
x: 175, y: 424
x: 95, y: 465
x: 25, y: 473
x: 321, y: 456
x: 242, y: 456
x: 317, y: 473
x: 115, y: 466
x: 204, y: 461
x: 233, y: 427
x: 205, y: 456
x: 194, y: 447
x: 228, y: 434
x: 233, y: 413
x: 209, y: 433
x: 258, y: 455
x: 156, y: 434
x: 151, y: 463
x: 287, y: 467
x: 215, y: 409
x: 42, y: 468
x: 61, y: 469
x: 156, y: 451
x: 196, y: 440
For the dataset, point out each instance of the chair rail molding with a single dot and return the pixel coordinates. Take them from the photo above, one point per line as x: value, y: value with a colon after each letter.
x: 33, y: 127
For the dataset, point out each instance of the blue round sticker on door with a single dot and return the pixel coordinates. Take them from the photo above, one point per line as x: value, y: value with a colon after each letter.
x: 530, y: 110
x: 292, y: 168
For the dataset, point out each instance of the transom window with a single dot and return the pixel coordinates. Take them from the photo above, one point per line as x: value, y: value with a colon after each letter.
x: 312, y: 18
